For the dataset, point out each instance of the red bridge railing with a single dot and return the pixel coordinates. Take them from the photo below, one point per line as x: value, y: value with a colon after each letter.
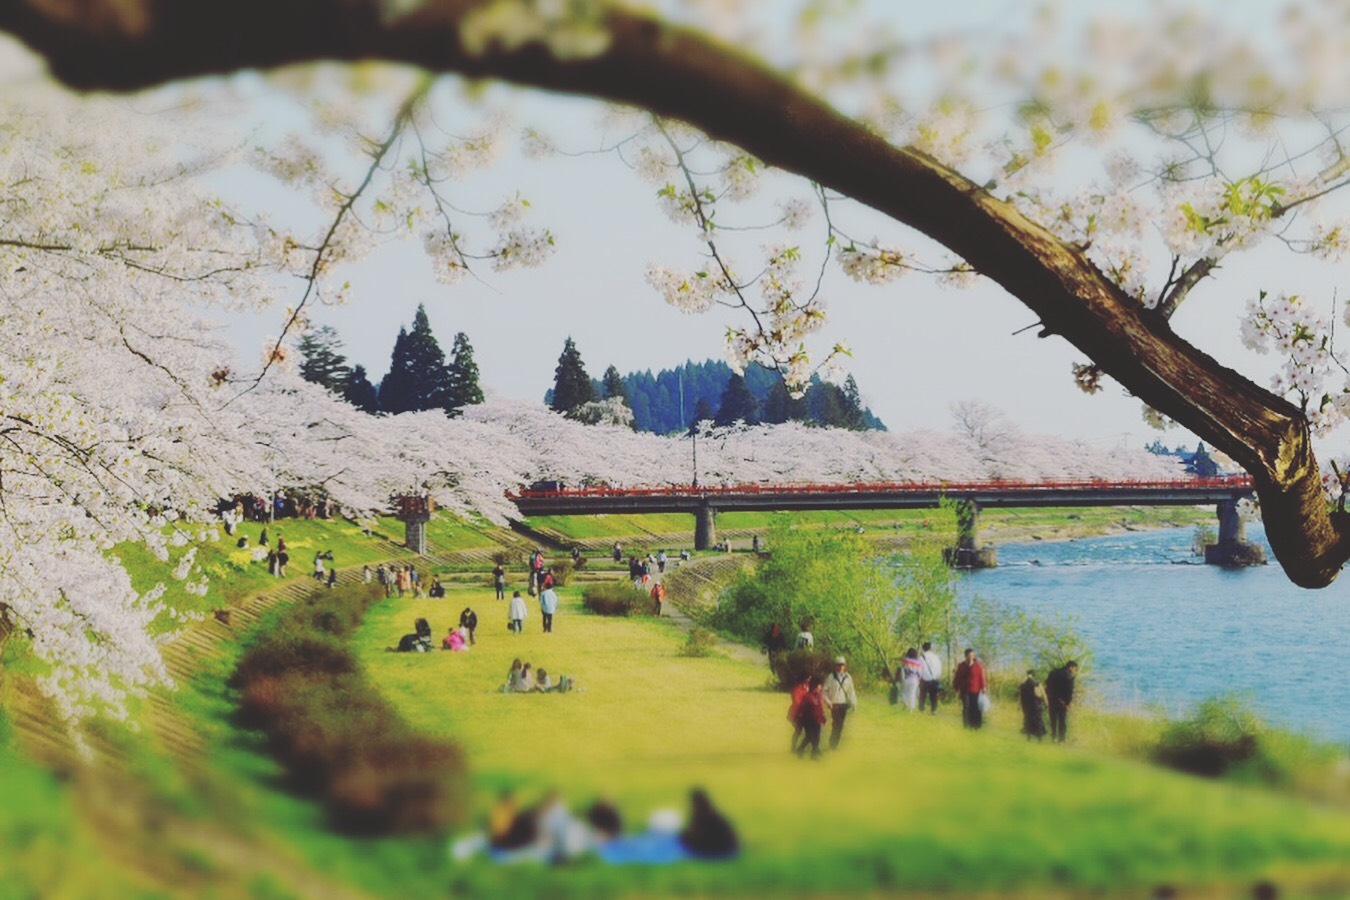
x: 1221, y: 482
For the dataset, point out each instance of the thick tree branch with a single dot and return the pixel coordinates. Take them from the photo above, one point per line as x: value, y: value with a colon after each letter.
x: 126, y: 44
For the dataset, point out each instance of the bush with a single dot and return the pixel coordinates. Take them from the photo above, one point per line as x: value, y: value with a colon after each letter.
x: 507, y: 557
x: 336, y: 737
x: 791, y: 666
x: 699, y: 641
x: 1222, y: 734
x: 562, y: 571
x: 615, y: 598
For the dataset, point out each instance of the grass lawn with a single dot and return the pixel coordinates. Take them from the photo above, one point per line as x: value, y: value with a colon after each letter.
x: 909, y: 801
x: 647, y: 530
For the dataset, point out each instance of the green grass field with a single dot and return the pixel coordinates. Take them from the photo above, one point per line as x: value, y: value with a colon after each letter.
x: 910, y: 805
x: 649, y: 530
x: 909, y: 801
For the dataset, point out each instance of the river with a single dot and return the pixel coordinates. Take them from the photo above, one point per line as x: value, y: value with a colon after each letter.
x: 1167, y: 630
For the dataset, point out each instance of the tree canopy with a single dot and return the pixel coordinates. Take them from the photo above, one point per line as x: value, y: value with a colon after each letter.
x: 418, y: 377
x: 1107, y: 177
x: 572, y: 387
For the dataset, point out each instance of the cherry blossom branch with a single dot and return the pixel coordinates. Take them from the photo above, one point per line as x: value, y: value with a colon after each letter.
x: 679, y: 74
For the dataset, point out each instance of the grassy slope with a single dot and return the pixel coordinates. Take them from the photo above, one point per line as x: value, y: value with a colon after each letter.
x: 892, y: 810
x: 911, y: 800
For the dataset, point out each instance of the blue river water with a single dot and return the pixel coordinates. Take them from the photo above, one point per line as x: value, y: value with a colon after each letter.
x: 1167, y: 630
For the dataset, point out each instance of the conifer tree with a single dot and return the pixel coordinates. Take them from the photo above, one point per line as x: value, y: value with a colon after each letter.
x: 613, y: 385
x: 463, y: 376
x: 359, y: 392
x: 738, y: 404
x: 780, y: 406
x: 702, y: 412
x: 855, y: 419
x: 324, y: 362
x: 571, y: 385
x: 396, y: 388
x: 418, y: 378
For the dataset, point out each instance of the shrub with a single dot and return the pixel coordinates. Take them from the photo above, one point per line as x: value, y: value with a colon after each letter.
x: 699, y: 641
x: 1220, y: 735
x: 790, y: 666
x: 562, y: 571
x: 509, y: 557
x: 336, y: 737
x: 615, y: 598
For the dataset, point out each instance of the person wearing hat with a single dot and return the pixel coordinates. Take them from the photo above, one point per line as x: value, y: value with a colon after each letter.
x: 1059, y: 691
x: 840, y: 698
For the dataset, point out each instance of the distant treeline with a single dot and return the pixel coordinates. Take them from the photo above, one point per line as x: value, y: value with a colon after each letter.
x: 672, y: 399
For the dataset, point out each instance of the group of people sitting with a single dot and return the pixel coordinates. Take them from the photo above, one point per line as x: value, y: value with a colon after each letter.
x: 524, y: 679
x: 460, y: 638
x: 549, y: 832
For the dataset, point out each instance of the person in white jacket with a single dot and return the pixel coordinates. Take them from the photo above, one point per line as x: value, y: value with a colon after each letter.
x: 840, y: 697
x: 516, y: 611
x: 930, y: 677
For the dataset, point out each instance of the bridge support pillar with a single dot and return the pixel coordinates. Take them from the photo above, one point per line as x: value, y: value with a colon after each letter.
x: 1233, y: 550
x: 968, y: 553
x: 705, y: 527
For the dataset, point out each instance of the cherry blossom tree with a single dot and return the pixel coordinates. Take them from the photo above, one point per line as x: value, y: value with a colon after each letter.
x: 1187, y: 142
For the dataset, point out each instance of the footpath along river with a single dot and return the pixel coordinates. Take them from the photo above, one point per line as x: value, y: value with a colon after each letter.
x: 1167, y: 630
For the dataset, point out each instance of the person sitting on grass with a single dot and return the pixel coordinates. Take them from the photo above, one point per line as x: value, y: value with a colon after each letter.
x: 512, y: 676
x: 454, y: 640
x: 417, y: 642
x: 526, y: 683
x: 709, y: 834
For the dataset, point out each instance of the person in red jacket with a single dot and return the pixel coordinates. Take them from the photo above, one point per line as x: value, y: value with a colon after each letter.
x: 810, y: 715
x: 798, y: 691
x: 970, y: 683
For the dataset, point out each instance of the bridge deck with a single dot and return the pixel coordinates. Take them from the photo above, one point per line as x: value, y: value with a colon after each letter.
x: 891, y: 495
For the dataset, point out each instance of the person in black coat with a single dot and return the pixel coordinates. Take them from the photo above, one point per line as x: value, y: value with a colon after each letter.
x: 708, y: 835
x: 1059, y: 692
x: 469, y: 620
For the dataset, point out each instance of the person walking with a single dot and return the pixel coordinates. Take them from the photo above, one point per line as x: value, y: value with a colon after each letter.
x: 659, y: 598
x: 909, y: 679
x: 1059, y: 686
x: 499, y: 581
x: 930, y: 677
x: 1032, y: 697
x: 800, y: 690
x: 468, y: 620
x: 809, y: 717
x: 840, y: 698
x: 516, y: 612
x: 548, y: 605
x: 969, y: 682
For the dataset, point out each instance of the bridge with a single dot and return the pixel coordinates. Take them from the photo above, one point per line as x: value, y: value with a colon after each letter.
x: 704, y: 502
